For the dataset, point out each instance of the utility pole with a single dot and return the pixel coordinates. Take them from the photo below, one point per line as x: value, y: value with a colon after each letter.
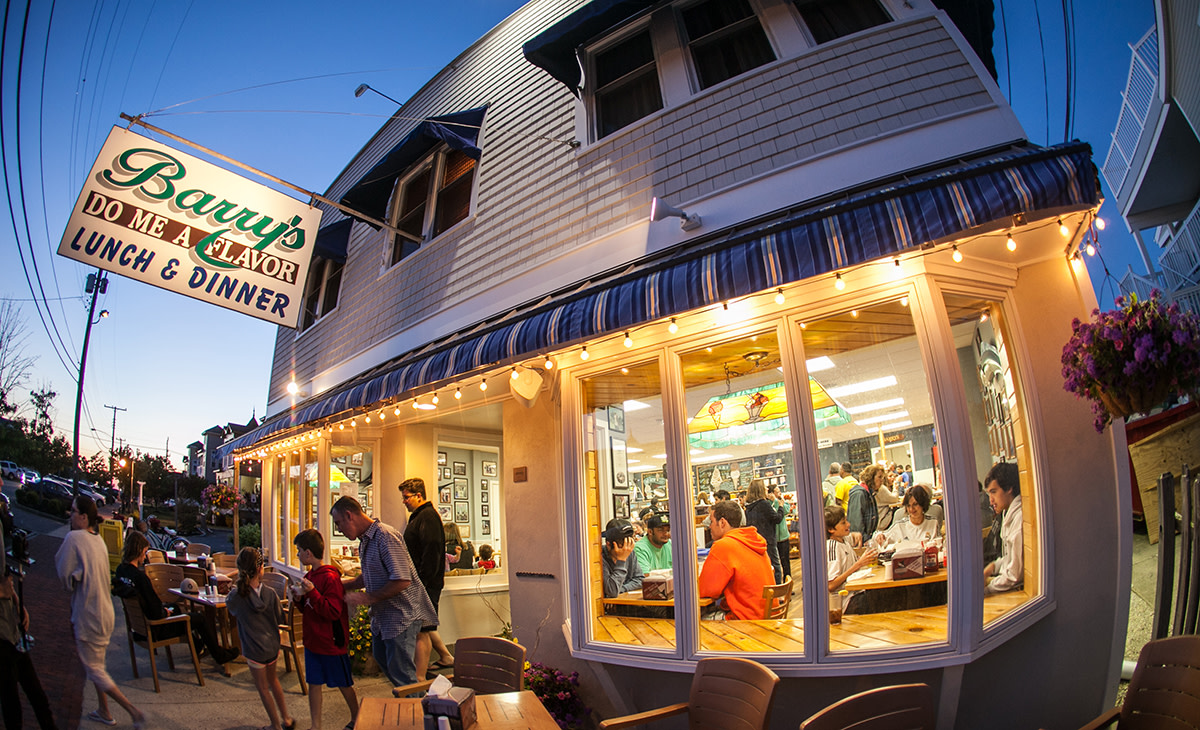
x: 97, y: 283
x: 112, y: 448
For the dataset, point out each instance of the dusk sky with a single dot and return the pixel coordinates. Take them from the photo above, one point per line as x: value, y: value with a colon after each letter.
x: 271, y: 84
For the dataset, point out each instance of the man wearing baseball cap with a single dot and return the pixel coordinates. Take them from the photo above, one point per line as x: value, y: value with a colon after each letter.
x: 620, y: 565
x: 653, y: 551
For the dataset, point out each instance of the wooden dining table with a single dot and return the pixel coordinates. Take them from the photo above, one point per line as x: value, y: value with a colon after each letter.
x: 877, y: 580
x: 216, y: 613
x: 505, y: 711
x: 634, y: 598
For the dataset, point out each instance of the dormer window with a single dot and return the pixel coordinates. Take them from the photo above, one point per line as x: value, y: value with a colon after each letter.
x: 829, y: 20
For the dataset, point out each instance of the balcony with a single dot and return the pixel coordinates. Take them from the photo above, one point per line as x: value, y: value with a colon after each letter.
x: 1139, y: 93
x: 1138, y: 284
x: 1180, y: 257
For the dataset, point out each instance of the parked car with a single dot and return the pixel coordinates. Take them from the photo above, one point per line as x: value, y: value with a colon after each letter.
x: 48, y: 488
x: 10, y: 470
x: 30, y: 475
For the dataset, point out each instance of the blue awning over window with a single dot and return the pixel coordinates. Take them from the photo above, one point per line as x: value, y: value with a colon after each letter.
x: 809, y: 242
x: 554, y: 48
x: 332, y: 241
x: 460, y: 131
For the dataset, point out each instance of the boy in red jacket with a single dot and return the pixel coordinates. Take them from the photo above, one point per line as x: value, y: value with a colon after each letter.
x: 321, y: 598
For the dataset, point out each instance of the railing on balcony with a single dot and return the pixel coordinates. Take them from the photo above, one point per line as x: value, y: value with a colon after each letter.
x: 1139, y: 93
x: 1180, y: 257
x: 1188, y: 299
x: 1138, y: 284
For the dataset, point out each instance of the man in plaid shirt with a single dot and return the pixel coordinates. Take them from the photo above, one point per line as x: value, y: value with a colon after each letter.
x: 389, y: 585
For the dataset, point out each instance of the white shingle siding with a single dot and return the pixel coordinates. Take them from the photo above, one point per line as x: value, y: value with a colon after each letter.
x: 537, y: 199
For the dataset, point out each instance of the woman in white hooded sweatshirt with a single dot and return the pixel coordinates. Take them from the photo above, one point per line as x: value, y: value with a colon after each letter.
x: 82, y: 563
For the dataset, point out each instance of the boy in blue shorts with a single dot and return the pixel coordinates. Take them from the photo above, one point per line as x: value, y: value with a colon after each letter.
x: 321, y: 598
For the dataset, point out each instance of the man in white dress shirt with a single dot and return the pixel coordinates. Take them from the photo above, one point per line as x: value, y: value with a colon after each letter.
x: 1003, y: 488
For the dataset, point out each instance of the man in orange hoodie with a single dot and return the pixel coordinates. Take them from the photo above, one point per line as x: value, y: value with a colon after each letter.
x: 737, y: 566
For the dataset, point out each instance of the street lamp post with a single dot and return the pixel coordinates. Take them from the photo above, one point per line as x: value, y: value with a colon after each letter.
x: 126, y: 500
x: 97, y: 284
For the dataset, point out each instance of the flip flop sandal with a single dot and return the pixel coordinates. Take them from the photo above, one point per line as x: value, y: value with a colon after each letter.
x: 95, y: 716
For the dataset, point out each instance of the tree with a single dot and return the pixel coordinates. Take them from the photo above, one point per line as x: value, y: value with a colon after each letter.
x: 43, y: 403
x: 14, y: 364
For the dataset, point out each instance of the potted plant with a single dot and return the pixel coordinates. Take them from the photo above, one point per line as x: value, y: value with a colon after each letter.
x: 1130, y: 359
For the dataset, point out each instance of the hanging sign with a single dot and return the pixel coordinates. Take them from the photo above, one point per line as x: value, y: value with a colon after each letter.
x: 174, y: 221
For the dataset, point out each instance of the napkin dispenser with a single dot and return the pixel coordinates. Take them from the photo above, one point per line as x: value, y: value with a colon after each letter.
x: 908, y: 561
x: 456, y: 704
x: 658, y: 585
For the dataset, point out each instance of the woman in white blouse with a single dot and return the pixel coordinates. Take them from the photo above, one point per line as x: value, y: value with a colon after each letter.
x: 916, y: 528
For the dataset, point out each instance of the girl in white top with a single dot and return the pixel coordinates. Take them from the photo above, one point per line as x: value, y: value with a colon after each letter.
x: 916, y: 528
x: 840, y: 560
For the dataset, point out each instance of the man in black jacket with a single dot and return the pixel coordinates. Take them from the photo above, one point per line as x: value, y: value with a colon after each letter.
x: 426, y: 542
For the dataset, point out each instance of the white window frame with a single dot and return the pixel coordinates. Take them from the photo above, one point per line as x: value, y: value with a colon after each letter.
x: 435, y: 160
x: 327, y: 267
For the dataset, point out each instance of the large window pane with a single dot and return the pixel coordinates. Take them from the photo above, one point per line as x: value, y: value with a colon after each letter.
x: 351, y: 471
x: 726, y: 39
x: 832, y: 19
x: 627, y: 86
x: 998, y: 433
x: 740, y: 453
x: 624, y: 474
x: 874, y: 413
x: 280, y: 482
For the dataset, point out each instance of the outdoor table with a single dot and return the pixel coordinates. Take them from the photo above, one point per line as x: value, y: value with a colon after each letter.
x: 217, y: 614
x: 505, y: 711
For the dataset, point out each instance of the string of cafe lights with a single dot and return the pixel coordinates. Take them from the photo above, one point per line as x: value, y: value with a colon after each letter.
x: 431, y: 397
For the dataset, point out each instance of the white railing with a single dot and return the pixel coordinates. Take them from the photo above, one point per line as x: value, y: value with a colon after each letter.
x: 1188, y: 299
x: 1180, y: 257
x: 1139, y: 93
x: 1138, y: 284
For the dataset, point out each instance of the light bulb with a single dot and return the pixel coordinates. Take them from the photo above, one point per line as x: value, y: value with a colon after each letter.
x: 1062, y: 228
x: 779, y: 298
x: 458, y: 394
x: 904, y: 301
x: 1091, y: 249
x: 1100, y: 223
x: 368, y: 418
x: 854, y: 313
x: 983, y: 317
x: 341, y: 427
x: 838, y: 283
x: 396, y: 411
x: 672, y: 328
x: 515, y: 374
x: 483, y: 385
x: 628, y: 340
x: 382, y: 414
x: 583, y: 354
x: 435, y: 399
x: 549, y: 364
x: 353, y: 423
x: 1010, y: 243
x: 803, y: 326
x: 414, y: 404
x: 956, y: 255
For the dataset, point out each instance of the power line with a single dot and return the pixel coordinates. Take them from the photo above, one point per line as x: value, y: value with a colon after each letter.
x: 1045, y: 79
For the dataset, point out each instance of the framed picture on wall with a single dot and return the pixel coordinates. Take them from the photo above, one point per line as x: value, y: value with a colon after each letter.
x: 484, y: 484
x: 462, y: 512
x: 483, y: 497
x: 621, y: 506
x: 460, y: 468
x: 444, y: 473
x: 444, y: 495
x: 616, y: 418
x: 485, y: 528
x: 353, y: 474
x: 446, y: 512
x: 485, y: 510
x: 620, y: 464
x: 338, y: 459
x: 460, y: 488
x: 464, y: 531
x: 441, y: 458
x: 489, y: 469
x: 356, y: 458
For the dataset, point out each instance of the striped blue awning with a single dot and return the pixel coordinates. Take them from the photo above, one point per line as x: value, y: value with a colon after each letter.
x: 808, y: 242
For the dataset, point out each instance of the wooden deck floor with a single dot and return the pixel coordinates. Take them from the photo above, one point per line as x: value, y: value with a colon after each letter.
x: 870, y: 631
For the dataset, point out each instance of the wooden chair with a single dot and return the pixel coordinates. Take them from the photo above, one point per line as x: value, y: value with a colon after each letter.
x: 137, y: 623
x: 198, y: 548
x: 156, y: 557
x: 164, y: 577
x: 200, y: 575
x: 278, y: 583
x: 778, y: 599
x: 225, y: 562
x: 727, y: 693
x: 901, y: 707
x: 486, y: 664
x: 1164, y: 691
x: 291, y: 642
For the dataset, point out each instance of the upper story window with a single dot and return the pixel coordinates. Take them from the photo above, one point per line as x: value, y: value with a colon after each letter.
x: 725, y: 39
x: 627, y: 86
x: 831, y: 19
x: 430, y: 200
x: 321, y: 295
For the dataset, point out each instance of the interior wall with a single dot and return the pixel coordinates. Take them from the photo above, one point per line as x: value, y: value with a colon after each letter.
x: 1085, y: 531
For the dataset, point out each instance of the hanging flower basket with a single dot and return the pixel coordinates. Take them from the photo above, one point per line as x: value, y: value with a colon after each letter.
x: 1130, y: 359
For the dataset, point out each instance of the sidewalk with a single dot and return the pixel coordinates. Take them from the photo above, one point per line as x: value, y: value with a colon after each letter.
x: 221, y: 703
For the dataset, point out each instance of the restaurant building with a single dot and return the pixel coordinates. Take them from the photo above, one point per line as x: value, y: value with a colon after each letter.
x: 866, y: 260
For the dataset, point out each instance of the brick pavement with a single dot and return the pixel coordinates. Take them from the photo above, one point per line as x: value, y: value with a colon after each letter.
x: 58, y: 667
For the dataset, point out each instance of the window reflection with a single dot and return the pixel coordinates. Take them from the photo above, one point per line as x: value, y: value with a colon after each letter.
x: 351, y: 471
x: 998, y: 436
x: 743, y: 486
x: 627, y: 512
x: 884, y: 548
